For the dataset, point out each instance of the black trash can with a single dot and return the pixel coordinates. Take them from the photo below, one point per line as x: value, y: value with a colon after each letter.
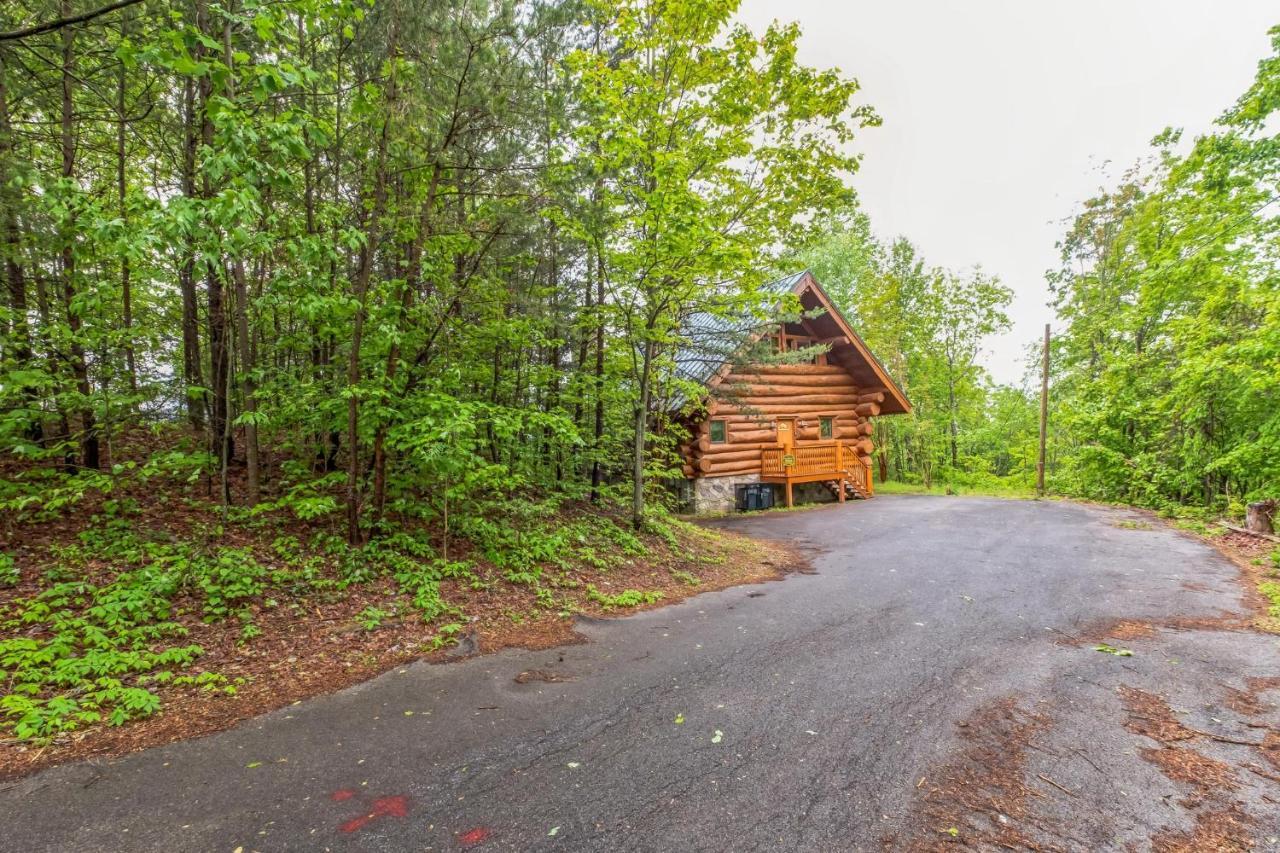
x: 754, y: 496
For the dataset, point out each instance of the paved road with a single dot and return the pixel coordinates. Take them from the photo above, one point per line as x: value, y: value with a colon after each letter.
x: 918, y: 689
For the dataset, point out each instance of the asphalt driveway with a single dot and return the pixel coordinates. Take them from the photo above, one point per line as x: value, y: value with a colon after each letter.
x: 933, y: 683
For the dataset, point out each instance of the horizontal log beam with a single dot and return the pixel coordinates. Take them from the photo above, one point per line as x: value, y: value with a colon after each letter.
x: 733, y: 468
x: 722, y: 457
x: 784, y: 389
x: 831, y: 374
x: 796, y: 410
x: 798, y: 370
x: 736, y: 446
x: 815, y: 397
x: 753, y: 435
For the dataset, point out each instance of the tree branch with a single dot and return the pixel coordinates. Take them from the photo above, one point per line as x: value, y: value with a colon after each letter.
x: 50, y: 26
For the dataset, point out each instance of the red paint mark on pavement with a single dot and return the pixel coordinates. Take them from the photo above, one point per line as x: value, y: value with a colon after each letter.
x: 391, y: 806
x: 342, y: 795
x: 472, y: 837
x: 382, y: 807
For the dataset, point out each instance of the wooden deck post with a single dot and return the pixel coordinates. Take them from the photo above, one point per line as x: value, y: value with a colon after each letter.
x: 789, y: 498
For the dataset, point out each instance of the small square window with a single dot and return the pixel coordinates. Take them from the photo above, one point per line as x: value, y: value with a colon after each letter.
x: 826, y: 427
x: 718, y: 432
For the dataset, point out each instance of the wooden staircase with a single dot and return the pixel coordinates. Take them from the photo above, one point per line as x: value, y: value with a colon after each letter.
x: 853, y: 486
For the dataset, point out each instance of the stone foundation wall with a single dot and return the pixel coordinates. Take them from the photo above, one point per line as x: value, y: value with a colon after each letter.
x: 719, y: 494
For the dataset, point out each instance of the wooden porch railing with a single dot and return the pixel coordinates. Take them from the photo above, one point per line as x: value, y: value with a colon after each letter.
x: 807, y: 463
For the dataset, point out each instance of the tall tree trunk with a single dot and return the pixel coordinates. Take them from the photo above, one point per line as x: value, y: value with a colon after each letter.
x: 79, y: 362
x: 951, y: 411
x: 330, y: 452
x: 222, y: 444
x: 248, y: 388
x: 882, y: 444
x: 597, y: 441
x: 364, y: 271
x: 413, y: 278
x: 191, y: 367
x: 584, y: 350
x: 126, y: 295
x: 43, y: 306
x: 554, y: 352
x: 15, y: 283
x: 641, y: 427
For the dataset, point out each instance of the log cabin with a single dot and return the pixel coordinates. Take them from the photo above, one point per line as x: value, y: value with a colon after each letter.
x: 803, y: 427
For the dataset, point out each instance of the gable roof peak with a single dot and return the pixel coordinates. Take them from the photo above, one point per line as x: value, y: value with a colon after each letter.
x: 712, y: 341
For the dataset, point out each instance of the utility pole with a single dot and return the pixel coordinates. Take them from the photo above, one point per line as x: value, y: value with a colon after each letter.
x: 1044, y: 412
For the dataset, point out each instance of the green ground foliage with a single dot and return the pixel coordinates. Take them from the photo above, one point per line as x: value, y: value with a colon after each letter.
x: 105, y: 618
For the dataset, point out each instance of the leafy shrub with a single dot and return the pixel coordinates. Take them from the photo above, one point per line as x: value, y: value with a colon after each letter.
x: 1271, y: 590
x: 371, y: 618
x: 231, y: 577
x: 80, y: 652
x: 9, y: 575
x: 626, y: 598
x: 82, y: 644
x: 40, y: 494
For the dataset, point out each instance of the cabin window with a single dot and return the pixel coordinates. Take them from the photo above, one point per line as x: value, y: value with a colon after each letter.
x: 826, y: 427
x: 719, y: 435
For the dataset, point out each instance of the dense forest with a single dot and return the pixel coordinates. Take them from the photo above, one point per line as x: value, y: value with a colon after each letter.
x: 371, y: 259
x: 416, y: 273
x: 1168, y: 375
x: 385, y: 257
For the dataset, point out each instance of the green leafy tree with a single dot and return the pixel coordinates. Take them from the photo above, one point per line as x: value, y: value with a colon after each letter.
x: 710, y: 146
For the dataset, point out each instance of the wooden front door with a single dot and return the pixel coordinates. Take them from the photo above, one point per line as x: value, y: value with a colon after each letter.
x: 787, y: 434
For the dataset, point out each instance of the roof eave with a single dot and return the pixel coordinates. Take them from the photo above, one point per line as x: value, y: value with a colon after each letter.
x: 807, y: 280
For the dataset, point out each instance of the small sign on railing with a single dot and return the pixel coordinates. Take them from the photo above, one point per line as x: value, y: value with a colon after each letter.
x: 789, y: 460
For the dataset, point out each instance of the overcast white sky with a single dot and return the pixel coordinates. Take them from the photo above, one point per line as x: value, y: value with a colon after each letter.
x: 1000, y: 114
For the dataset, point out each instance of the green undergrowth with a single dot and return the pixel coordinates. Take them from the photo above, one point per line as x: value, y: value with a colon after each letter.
x: 107, y: 623
x: 989, y: 487
x: 1270, y: 588
x: 103, y: 629
x: 626, y: 598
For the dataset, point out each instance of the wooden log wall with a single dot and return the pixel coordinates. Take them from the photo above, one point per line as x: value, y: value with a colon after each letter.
x: 751, y: 402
